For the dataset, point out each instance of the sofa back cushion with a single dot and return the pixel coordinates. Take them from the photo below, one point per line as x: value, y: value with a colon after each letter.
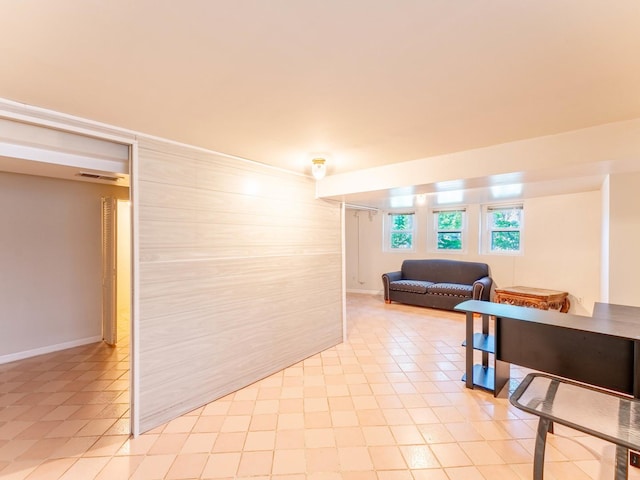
x: 444, y: 271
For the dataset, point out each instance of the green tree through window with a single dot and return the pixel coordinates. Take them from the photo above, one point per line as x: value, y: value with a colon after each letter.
x: 449, y: 225
x: 401, y: 231
x: 505, y: 225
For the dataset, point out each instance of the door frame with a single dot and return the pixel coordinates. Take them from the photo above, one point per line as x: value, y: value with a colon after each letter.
x: 47, y: 118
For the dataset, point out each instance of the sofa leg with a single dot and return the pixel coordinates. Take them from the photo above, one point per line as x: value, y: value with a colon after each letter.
x: 387, y: 301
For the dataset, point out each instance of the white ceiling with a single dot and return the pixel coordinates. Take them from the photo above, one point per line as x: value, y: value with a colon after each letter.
x: 369, y: 82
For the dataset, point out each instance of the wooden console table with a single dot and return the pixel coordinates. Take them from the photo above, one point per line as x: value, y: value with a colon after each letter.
x: 540, y: 298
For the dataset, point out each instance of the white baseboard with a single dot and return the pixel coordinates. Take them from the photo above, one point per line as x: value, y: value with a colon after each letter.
x: 368, y: 292
x: 12, y: 357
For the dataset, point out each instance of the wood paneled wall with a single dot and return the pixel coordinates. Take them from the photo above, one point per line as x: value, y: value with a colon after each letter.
x: 240, y: 276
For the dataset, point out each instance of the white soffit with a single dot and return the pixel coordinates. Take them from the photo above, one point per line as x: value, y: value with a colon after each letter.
x: 38, y: 150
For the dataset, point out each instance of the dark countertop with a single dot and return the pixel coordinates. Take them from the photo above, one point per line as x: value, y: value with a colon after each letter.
x: 608, y: 319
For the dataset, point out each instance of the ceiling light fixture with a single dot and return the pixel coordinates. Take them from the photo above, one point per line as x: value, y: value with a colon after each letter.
x: 318, y: 168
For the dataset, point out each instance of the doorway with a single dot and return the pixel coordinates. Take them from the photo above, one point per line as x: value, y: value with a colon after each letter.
x: 116, y: 270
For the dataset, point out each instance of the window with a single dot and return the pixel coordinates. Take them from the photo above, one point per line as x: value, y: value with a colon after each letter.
x: 448, y: 230
x: 400, y: 232
x: 504, y: 229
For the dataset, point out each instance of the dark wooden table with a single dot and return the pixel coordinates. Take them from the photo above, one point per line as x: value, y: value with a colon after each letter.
x: 602, y: 350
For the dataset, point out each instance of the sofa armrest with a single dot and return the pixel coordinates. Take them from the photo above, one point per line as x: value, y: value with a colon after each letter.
x: 482, y: 289
x: 387, y: 278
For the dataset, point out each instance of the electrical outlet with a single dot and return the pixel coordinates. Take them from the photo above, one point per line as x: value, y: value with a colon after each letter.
x: 634, y: 459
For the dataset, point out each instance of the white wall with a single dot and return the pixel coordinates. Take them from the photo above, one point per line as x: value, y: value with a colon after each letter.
x: 50, y: 257
x: 624, y: 239
x: 561, y: 248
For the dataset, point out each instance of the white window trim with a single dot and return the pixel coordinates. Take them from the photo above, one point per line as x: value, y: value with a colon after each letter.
x: 485, y: 236
x: 386, y: 247
x: 432, y: 234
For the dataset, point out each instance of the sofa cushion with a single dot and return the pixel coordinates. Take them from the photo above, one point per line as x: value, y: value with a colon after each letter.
x: 413, y: 286
x: 452, y: 289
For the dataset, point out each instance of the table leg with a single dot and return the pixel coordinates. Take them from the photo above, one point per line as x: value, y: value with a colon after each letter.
x: 622, y: 463
x: 469, y: 351
x: 541, y: 442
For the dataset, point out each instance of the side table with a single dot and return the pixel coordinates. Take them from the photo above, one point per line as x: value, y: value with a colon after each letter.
x: 540, y: 298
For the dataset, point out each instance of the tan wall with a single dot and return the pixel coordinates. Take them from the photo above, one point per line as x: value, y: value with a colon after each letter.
x: 240, y: 270
x: 50, y: 253
x: 624, y: 239
x: 561, y: 248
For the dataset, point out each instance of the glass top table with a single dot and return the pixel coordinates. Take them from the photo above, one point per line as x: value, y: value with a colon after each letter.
x: 601, y: 413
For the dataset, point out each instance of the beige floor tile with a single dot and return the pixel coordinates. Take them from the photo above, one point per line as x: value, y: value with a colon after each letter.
x: 317, y: 420
x: 419, y: 456
x: 431, y: 474
x: 106, y: 446
x: 18, y: 470
x: 153, y: 467
x: 51, y: 469
x: 464, y: 432
x: 229, y: 442
x: 260, y: 441
x: 464, y: 473
x: 139, y: 445
x: 481, y: 453
x: 43, y: 449
x: 354, y: 458
x: 450, y: 455
x: 85, y: 468
x: 236, y: 423
x: 344, y: 419
x: 183, y: 424
x: 319, y: 437
x: 221, y: 465
x: 208, y: 424
x: 289, y: 462
x: 406, y: 434
x: 120, y: 467
x: 187, y: 466
x: 290, y: 439
x: 322, y: 460
x: 168, y: 443
x: 387, y: 458
x: 255, y: 463
x: 511, y: 451
x: 500, y: 472
x: 74, y: 447
x: 67, y: 428
x: 199, y: 443
x: 378, y: 435
x: 290, y: 421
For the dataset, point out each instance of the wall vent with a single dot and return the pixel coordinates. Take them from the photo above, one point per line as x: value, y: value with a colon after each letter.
x: 99, y: 176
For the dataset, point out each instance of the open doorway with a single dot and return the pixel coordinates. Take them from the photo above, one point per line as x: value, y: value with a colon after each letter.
x: 116, y: 270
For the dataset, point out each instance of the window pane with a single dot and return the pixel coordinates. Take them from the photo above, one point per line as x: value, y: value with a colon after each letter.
x: 450, y: 220
x: 449, y: 241
x: 401, y: 222
x: 401, y: 240
x: 505, y: 218
x: 505, y: 241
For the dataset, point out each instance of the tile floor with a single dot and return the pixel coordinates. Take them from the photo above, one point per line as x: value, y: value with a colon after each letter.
x: 386, y: 405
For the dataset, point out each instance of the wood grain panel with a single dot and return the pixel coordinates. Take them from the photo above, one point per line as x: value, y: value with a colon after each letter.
x: 240, y: 276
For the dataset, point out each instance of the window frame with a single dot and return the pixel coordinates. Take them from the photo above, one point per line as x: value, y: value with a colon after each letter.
x: 388, y: 232
x: 489, y: 230
x: 435, y: 230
